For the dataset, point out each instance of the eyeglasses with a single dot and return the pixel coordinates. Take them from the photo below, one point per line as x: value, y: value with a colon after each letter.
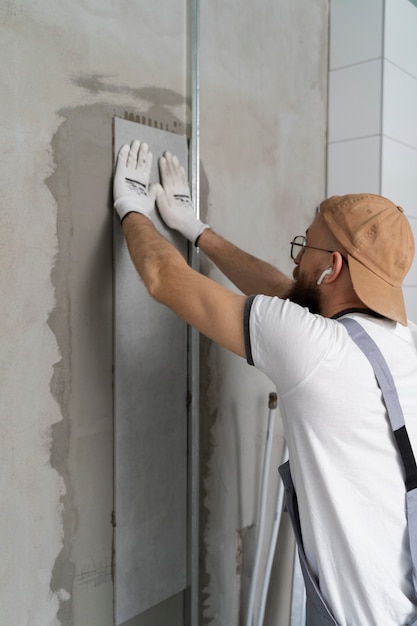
x: 301, y: 242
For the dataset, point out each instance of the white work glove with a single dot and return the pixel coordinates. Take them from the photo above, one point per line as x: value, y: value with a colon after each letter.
x: 174, y: 199
x: 131, y: 189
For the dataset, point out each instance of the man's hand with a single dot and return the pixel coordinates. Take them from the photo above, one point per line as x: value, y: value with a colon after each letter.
x: 174, y: 199
x: 131, y: 189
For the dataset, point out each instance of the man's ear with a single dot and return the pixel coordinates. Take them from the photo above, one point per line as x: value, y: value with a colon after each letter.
x: 332, y: 272
x: 323, y: 275
x: 337, y: 266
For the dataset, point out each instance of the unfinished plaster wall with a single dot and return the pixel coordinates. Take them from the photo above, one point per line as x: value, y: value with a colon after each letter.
x: 66, y: 68
x: 263, y: 135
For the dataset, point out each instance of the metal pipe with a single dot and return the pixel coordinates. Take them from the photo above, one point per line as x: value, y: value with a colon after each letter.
x: 193, y: 335
x: 272, y: 404
x: 271, y: 552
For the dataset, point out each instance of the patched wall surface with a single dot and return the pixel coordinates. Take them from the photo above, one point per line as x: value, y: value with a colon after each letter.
x: 66, y: 69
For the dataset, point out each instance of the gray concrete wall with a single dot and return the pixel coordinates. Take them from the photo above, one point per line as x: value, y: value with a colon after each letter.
x: 66, y: 68
x: 263, y: 138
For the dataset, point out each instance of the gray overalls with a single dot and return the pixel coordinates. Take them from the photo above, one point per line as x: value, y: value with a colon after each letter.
x: 317, y: 611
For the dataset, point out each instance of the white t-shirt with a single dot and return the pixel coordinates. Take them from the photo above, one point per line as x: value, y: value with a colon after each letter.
x: 344, y: 461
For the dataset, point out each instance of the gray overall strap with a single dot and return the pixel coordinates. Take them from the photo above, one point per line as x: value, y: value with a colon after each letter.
x: 396, y: 418
x: 317, y: 611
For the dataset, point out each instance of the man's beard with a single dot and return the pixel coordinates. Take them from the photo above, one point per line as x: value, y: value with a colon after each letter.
x: 306, y: 294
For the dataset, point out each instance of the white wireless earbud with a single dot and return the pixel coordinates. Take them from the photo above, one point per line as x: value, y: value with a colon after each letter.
x: 325, y: 273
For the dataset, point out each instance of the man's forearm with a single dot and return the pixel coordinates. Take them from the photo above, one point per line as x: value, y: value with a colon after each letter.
x: 210, y: 308
x: 150, y: 252
x: 251, y: 275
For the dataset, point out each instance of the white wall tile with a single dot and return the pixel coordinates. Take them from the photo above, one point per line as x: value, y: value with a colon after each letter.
x: 355, y: 101
x: 399, y: 175
x: 399, y: 107
x: 354, y: 166
x: 400, y: 45
x: 373, y: 134
x: 356, y: 28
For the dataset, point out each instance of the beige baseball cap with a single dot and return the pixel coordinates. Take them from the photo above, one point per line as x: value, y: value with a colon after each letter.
x: 379, y: 243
